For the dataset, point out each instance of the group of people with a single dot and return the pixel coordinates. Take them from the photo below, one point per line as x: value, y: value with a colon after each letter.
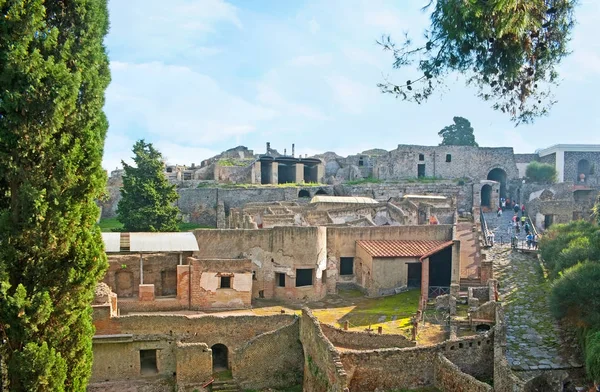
x: 519, y: 223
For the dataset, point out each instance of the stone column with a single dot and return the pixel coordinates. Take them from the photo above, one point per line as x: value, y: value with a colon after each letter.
x: 275, y: 173
x: 320, y: 172
x: 256, y: 173
x: 299, y: 173
x: 455, y: 278
x: 424, y: 284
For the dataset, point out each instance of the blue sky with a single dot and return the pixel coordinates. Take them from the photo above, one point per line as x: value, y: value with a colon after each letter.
x: 196, y: 77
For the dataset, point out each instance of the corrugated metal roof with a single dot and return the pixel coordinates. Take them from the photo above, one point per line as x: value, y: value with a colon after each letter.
x: 343, y: 199
x: 402, y: 248
x: 163, y: 242
x: 433, y: 197
x: 112, y: 242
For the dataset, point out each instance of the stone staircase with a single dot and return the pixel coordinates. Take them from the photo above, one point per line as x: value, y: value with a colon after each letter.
x: 225, y: 386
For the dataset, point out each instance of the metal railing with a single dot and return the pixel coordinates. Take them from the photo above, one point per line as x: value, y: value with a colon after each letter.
x: 516, y: 243
x: 435, y: 291
x: 485, y: 231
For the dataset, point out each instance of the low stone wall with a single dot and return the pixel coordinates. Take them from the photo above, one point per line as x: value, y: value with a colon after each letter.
x: 323, y: 370
x: 278, y: 354
x: 363, y: 340
x: 194, y: 363
x: 481, y: 293
x: 449, y: 378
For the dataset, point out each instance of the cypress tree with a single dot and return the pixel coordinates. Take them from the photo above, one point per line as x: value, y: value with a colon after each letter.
x: 146, y: 196
x: 53, y: 73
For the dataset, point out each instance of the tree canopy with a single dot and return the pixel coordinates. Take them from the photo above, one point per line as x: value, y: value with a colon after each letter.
x: 508, y: 49
x: 458, y: 134
x: 146, y: 196
x: 542, y: 173
x: 53, y: 74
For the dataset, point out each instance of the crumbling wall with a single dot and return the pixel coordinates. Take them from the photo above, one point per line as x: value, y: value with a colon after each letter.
x: 323, y: 371
x: 278, y: 354
x: 449, y: 378
x: 193, y: 363
x: 363, y: 340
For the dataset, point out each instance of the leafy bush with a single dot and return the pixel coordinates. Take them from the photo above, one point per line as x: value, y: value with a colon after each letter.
x: 541, y: 173
x: 576, y: 295
x: 592, y: 354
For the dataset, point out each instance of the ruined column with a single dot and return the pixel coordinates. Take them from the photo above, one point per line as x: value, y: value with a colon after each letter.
x: 256, y: 173
x: 424, y: 284
x: 275, y: 173
x: 299, y: 173
x: 320, y: 172
x: 455, y: 278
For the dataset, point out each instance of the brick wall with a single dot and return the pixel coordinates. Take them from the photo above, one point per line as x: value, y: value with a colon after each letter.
x: 193, y: 363
x: 278, y: 354
x: 323, y: 371
x: 363, y: 340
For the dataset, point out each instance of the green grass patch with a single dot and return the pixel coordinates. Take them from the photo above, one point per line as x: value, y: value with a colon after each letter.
x: 297, y: 388
x: 366, y: 180
x: 234, y: 162
x: 223, y: 375
x: 113, y: 224
x: 110, y: 224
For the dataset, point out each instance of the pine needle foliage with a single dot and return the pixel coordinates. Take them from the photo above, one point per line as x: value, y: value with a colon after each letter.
x: 508, y: 49
x: 147, y: 197
x: 53, y: 74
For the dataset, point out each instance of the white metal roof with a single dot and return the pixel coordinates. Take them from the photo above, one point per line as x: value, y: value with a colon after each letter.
x: 343, y: 199
x: 162, y: 242
x: 433, y: 197
x: 112, y: 242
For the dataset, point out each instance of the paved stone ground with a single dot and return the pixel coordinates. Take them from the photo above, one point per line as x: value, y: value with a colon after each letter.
x: 503, y: 226
x: 534, y: 341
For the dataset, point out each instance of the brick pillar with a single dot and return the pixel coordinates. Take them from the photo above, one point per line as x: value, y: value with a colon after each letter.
x: 299, y: 173
x: 146, y: 292
x: 487, y: 271
x: 455, y: 278
x: 424, y: 283
x: 183, y: 284
x: 275, y: 173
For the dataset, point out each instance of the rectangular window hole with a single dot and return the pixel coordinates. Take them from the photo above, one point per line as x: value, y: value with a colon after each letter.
x: 148, y: 362
x: 225, y: 282
x: 448, y: 157
x: 304, y: 277
x: 346, y: 265
x: 421, y: 157
x: 280, y: 278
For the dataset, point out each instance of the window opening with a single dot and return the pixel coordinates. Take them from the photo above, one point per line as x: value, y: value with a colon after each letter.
x: 448, y: 157
x: 225, y: 282
x: 421, y: 157
x: 280, y: 279
x: 304, y: 277
x: 148, y: 362
x: 346, y: 265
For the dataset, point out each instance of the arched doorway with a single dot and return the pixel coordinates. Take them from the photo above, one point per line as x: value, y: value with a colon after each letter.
x: 321, y: 192
x: 499, y: 175
x: 303, y: 193
x: 486, y: 196
x: 583, y: 167
x: 219, y: 357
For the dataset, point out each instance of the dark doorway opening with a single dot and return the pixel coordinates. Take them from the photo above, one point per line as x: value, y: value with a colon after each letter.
x: 303, y: 193
x: 548, y: 221
x: 311, y: 173
x: 321, y: 192
x: 266, y: 171
x: 498, y: 175
x: 486, y: 196
x: 414, y: 275
x: 280, y: 279
x: 346, y: 265
x: 440, y: 268
x: 304, y: 277
x: 148, y: 362
x: 219, y: 357
x: 286, y: 173
x: 168, y: 282
x: 482, y: 328
x: 421, y: 170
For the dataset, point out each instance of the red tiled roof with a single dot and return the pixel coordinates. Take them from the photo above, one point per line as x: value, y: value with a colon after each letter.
x: 402, y: 248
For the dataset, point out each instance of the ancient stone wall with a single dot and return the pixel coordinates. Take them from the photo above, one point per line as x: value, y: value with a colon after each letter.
x: 271, y: 360
x: 356, y: 340
x: 592, y: 174
x: 323, y: 370
x: 280, y: 250
x: 449, y: 378
x: 504, y: 379
x: 193, y: 363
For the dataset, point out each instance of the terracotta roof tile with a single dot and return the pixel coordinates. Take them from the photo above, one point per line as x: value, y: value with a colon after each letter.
x: 402, y: 248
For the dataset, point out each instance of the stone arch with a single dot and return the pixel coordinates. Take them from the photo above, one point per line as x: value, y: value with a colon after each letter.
x: 583, y: 167
x: 486, y: 196
x: 124, y: 283
x: 321, y: 191
x: 303, y: 193
x: 220, y: 354
x: 499, y: 175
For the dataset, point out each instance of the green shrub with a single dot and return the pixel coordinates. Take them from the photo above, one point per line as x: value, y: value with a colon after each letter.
x: 576, y: 295
x: 541, y: 173
x: 592, y: 354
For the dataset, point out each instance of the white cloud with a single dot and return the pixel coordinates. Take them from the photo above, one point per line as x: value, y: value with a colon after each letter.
x: 270, y: 97
x: 313, y: 26
x: 179, y: 104
x: 316, y: 60
x: 351, y: 95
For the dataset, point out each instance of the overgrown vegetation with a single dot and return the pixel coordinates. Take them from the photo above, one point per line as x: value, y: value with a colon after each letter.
x: 113, y: 224
x: 366, y: 180
x: 147, y: 197
x: 510, y: 50
x: 234, y: 162
x: 53, y: 74
x: 458, y: 134
x: 541, y: 173
x: 572, y: 254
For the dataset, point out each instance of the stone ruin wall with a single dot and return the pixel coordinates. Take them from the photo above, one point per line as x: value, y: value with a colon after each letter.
x: 357, y: 340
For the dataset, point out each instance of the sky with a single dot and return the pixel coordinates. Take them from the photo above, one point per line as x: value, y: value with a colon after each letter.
x: 197, y: 77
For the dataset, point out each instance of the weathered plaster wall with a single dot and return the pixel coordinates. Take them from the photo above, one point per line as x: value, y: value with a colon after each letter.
x: 363, y: 340
x: 193, y: 363
x: 449, y: 378
x: 277, y: 250
x: 323, y: 371
x: 278, y: 354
